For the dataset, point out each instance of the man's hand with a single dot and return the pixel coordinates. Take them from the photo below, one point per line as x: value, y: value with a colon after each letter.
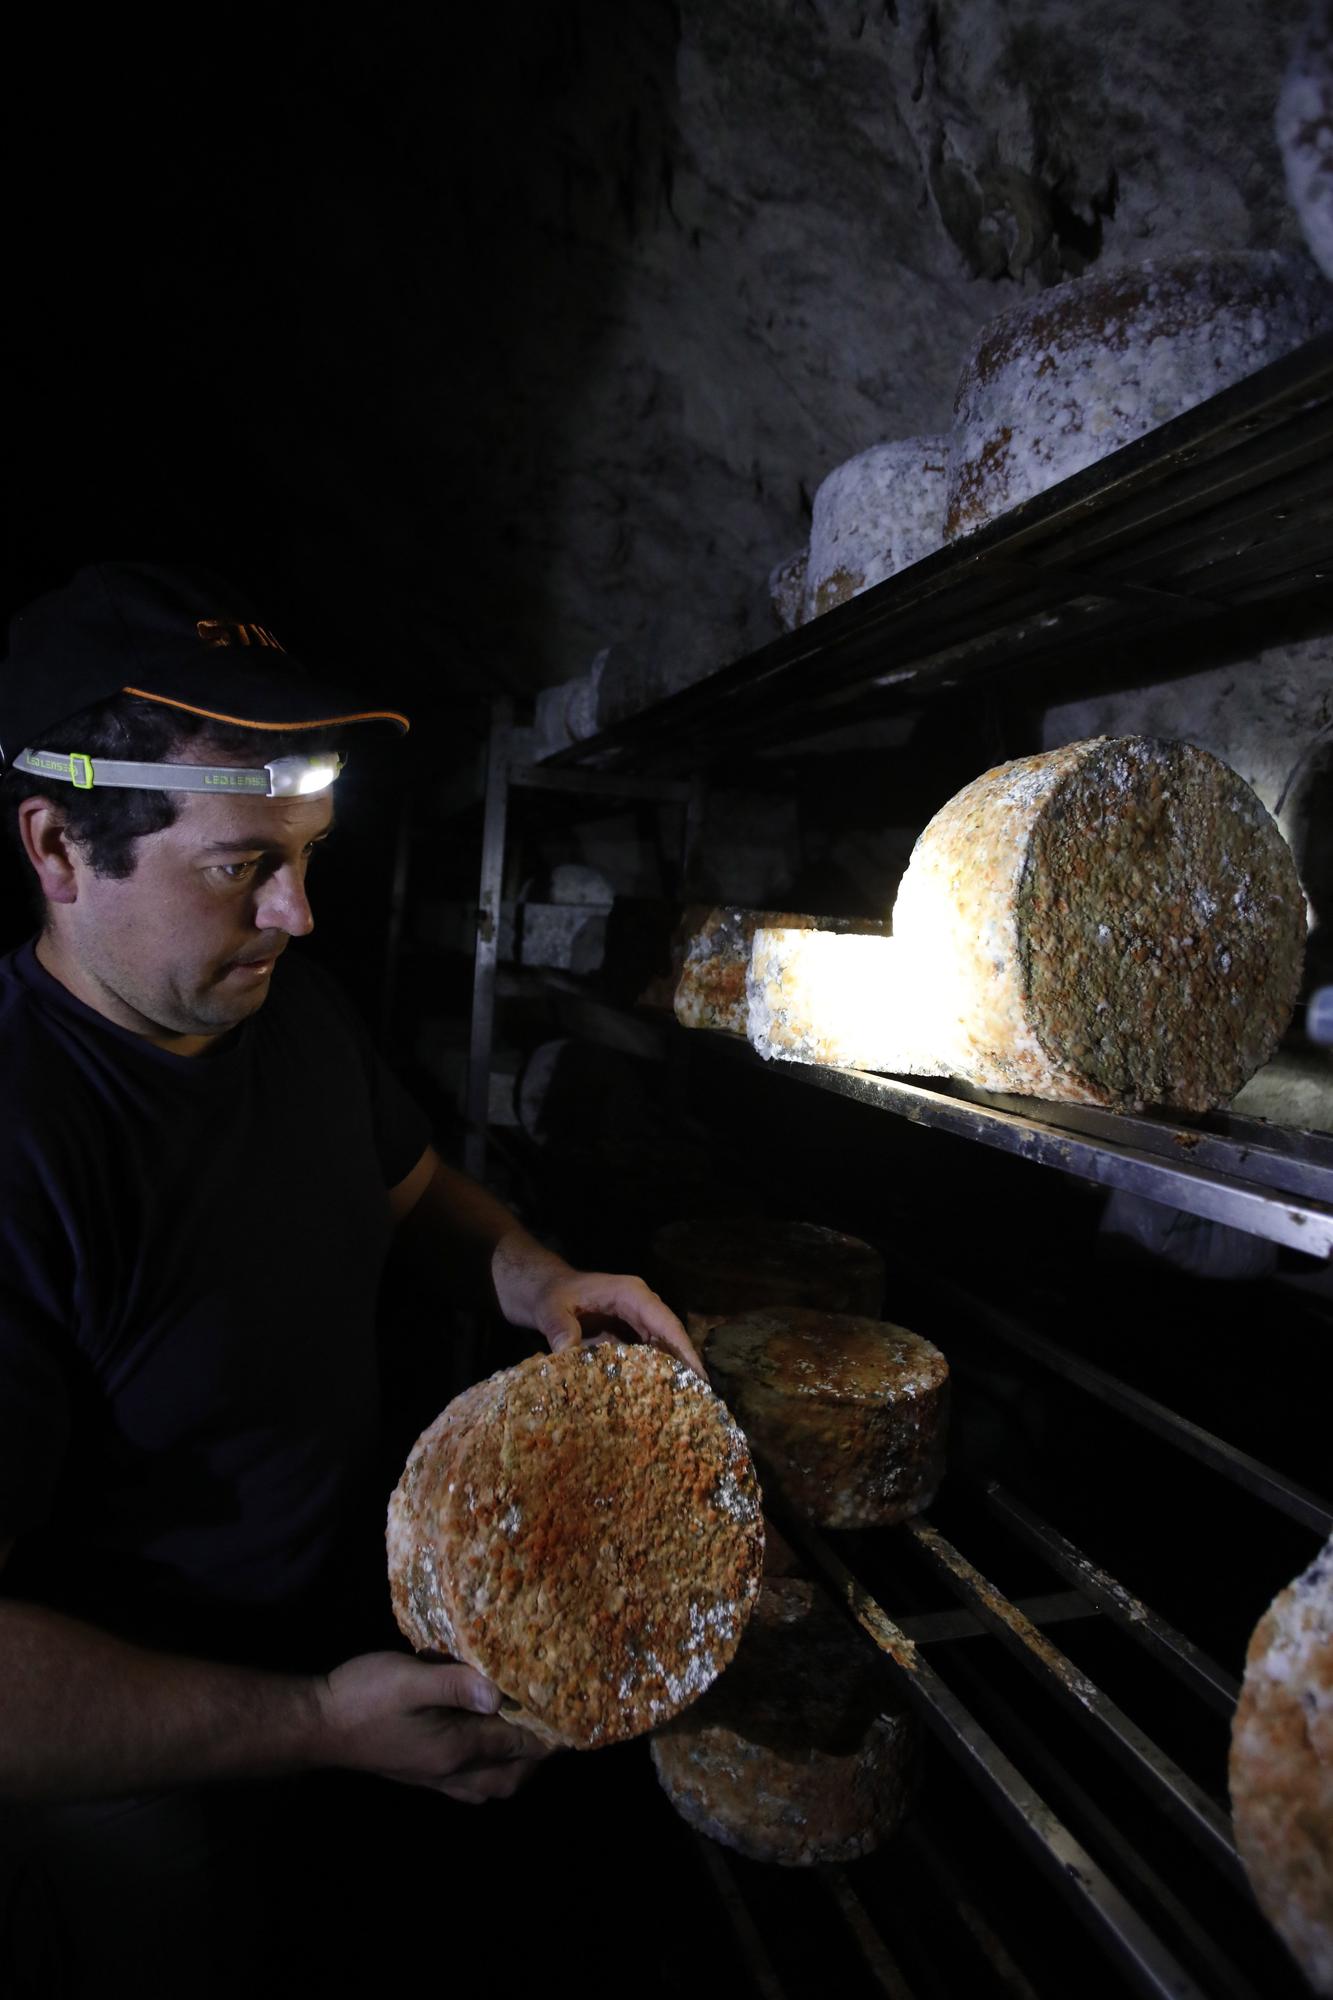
x: 448, y: 1222
x: 538, y: 1289
x: 421, y: 1724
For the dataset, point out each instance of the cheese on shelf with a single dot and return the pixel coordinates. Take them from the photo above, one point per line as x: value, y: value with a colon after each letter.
x: 798, y: 1755
x: 1281, y: 1768
x: 848, y: 1415
x: 1076, y: 372
x: 873, y: 516
x: 1117, y: 922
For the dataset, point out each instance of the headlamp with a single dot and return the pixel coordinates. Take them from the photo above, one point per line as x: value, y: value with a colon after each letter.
x: 285, y: 778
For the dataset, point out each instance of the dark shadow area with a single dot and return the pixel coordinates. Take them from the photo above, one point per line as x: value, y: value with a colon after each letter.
x: 307, y: 307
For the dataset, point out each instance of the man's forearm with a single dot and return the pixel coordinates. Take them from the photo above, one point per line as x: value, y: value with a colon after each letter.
x: 459, y: 1225
x: 464, y: 1243
x: 84, y: 1715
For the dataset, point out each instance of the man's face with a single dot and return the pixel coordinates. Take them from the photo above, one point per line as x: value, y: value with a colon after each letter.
x: 184, y: 948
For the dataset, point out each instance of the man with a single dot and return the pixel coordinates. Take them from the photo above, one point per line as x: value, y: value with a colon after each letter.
x: 201, y: 1167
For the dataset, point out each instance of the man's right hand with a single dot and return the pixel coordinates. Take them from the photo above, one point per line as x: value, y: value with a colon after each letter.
x: 424, y: 1724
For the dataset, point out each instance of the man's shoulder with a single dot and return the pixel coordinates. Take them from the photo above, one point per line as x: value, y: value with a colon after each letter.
x: 36, y: 1067
x: 22, y: 1022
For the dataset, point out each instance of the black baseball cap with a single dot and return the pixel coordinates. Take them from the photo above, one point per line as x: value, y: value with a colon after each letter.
x: 173, y: 635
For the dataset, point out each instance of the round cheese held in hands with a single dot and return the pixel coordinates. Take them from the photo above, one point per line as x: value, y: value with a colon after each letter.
x: 850, y: 1415
x: 583, y: 1529
x: 1282, y: 1768
x: 799, y: 1755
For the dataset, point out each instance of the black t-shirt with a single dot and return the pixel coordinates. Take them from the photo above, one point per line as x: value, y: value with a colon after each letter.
x: 190, y: 1251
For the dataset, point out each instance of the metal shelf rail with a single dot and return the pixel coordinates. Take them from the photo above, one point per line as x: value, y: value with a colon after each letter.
x: 1146, y: 1947
x: 1152, y: 1966
x: 1264, y: 1482
x: 1126, y: 1891
x: 504, y: 776
x: 1272, y: 1181
x: 1206, y: 529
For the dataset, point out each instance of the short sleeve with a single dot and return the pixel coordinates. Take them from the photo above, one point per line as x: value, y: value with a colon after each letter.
x: 402, y: 1129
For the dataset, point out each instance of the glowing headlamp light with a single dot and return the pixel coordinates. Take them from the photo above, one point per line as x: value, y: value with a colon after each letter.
x: 285, y: 778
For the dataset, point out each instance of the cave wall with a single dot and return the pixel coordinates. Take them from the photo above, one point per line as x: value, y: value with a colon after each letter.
x: 843, y: 195
x: 482, y: 342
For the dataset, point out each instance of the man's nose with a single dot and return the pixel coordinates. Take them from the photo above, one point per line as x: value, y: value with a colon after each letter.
x: 283, y: 904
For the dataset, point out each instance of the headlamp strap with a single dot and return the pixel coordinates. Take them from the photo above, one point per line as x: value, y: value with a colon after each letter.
x: 284, y: 777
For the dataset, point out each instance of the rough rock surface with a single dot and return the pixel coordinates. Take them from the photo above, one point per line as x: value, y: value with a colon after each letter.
x: 1305, y: 133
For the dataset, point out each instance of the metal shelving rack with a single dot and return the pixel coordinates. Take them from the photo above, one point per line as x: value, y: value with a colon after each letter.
x: 1269, y: 1180
x: 506, y: 775
x: 1127, y: 1898
x: 1221, y: 516
x: 1213, y: 533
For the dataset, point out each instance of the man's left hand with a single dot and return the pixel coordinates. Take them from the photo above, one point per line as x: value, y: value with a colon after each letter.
x: 538, y: 1289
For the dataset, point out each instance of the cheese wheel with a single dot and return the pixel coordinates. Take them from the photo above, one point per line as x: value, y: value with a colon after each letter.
x: 1117, y: 922
x: 710, y: 992
x: 708, y: 1265
x: 1086, y: 367
x: 797, y: 1755
x: 584, y: 1529
x: 812, y: 996
x: 1281, y: 1768
x: 1305, y: 133
x: 848, y: 1414
x: 875, y: 515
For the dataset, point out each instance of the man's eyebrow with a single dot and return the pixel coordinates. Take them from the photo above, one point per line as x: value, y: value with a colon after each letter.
x: 242, y: 846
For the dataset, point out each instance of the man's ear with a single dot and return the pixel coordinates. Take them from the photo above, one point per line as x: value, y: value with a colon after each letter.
x: 48, y: 846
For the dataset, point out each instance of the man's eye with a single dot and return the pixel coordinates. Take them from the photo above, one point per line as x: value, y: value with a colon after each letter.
x: 236, y: 871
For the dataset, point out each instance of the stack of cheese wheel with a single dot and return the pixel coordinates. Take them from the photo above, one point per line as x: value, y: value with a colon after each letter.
x: 849, y: 1414
x: 584, y: 1529
x: 796, y: 1755
x: 877, y: 514
x: 710, y: 989
x: 1090, y: 365
x: 708, y: 1265
x: 713, y: 1267
x: 1118, y: 922
x: 1282, y: 1768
